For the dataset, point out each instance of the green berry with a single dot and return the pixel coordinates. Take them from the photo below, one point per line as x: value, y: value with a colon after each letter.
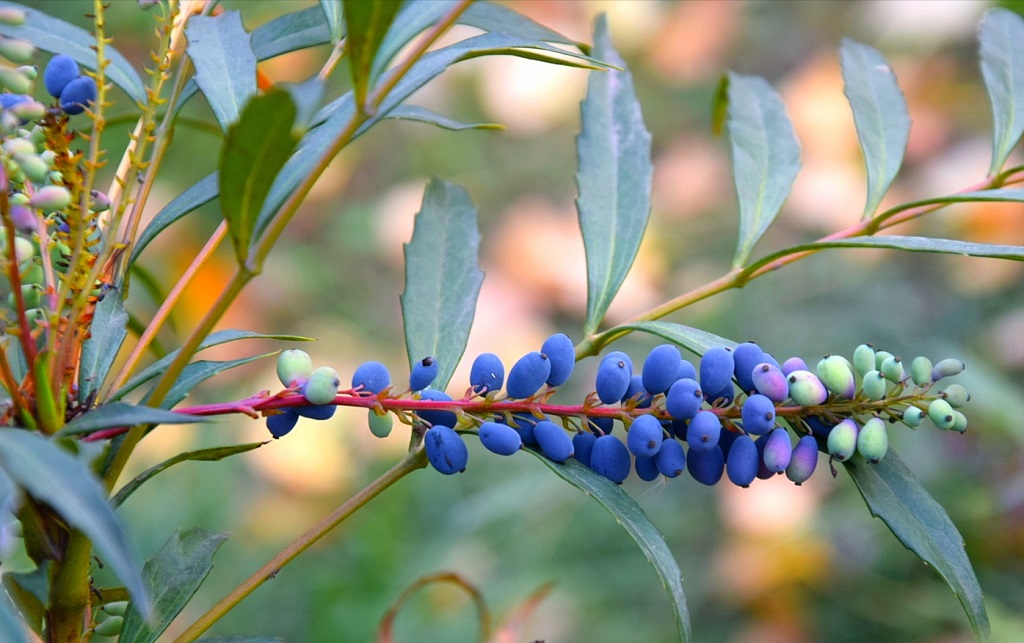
x: 864, y: 359
x: 892, y: 369
x: 51, y: 198
x: 872, y: 440
x: 842, y: 440
x: 880, y: 357
x: 837, y: 376
x: 293, y: 366
x: 874, y: 385
x: 806, y: 389
x: 116, y: 608
x: 913, y: 416
x: 16, y: 51
x: 921, y: 370
x: 380, y: 425
x: 947, y: 368
x: 109, y: 627
x: 956, y: 395
x: 959, y: 422
x: 941, y: 413
x: 322, y: 386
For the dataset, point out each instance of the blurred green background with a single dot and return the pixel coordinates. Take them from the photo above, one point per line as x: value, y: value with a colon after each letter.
x: 770, y: 563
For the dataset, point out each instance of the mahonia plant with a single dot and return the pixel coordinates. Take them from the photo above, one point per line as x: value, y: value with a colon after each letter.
x: 69, y: 247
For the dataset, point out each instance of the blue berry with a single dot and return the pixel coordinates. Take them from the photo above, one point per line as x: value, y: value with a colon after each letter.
x: 706, y: 467
x: 794, y: 364
x: 723, y: 397
x: 645, y: 436
x: 524, y: 424
x: 500, y: 438
x: 613, y: 376
x: 763, y: 472
x: 528, y: 375
x: 684, y: 399
x: 8, y: 101
x: 661, y: 368
x: 947, y: 368
x: 716, y: 369
x: 758, y: 414
x: 423, y: 374
x: 487, y: 373
x: 371, y: 377
x: 619, y: 355
x: 686, y: 370
x: 610, y: 458
x: 671, y: 459
x: 636, y: 390
x: 743, y: 461
x: 745, y: 357
x: 446, y: 451
x: 77, y: 95
x: 562, y: 355
x: 703, y: 432
x: 726, y: 439
x: 778, y: 450
x: 434, y: 417
x: 770, y: 382
x: 281, y: 423
x: 317, y: 412
x: 804, y: 460
x: 604, y: 425
x: 646, y: 468
x: 553, y: 441
x: 61, y: 70
x: 583, y: 446
x: 819, y: 427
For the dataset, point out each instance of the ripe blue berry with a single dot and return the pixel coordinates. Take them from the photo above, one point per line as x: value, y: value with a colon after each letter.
x: 553, y: 441
x: 487, y: 373
x: 793, y: 364
x: 562, y: 355
x: 671, y: 459
x: 726, y: 439
x: 706, y: 467
x: 806, y: 389
x: 646, y: 468
x: 610, y: 458
x: 293, y: 366
x: 583, y: 446
x: 636, y: 390
x: 724, y: 397
x: 703, y: 432
x: 446, y: 451
x: 612, y: 382
x: 778, y: 451
x: 686, y: 370
x: 716, y: 369
x: 619, y: 355
x: 804, y: 460
x: 528, y: 375
x: 645, y: 436
x: 77, y: 95
x: 500, y: 438
x: 873, y: 440
x: 745, y: 357
x: 743, y: 461
x: 322, y: 386
x: 763, y: 472
x: 281, y: 423
x: 604, y: 425
x: 61, y: 70
x: 842, y: 440
x: 684, y: 399
x: 661, y: 368
x: 371, y: 377
x: 317, y: 412
x: 524, y: 424
x: 758, y: 414
x: 423, y: 374
x: 434, y: 417
x: 771, y: 382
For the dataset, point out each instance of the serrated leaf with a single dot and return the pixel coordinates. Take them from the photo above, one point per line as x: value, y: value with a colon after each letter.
x: 424, y: 115
x: 51, y: 475
x: 173, y: 575
x: 201, y: 455
x: 366, y: 23
x: 613, y: 150
x: 695, y: 340
x: 119, y: 414
x: 256, y: 149
x: 332, y: 12
x: 893, y: 494
x: 1001, y: 42
x: 59, y: 37
x: 879, y: 113
x: 442, y: 278
x: 107, y: 330
x: 765, y: 157
x: 198, y: 372
x: 220, y: 49
x: 628, y: 513
x: 199, y: 194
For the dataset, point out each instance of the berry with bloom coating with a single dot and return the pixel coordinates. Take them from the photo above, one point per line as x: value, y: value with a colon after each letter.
x: 956, y: 395
x: 553, y: 441
x: 793, y: 364
x: 51, y: 198
x: 941, y: 413
x: 436, y: 417
x: 645, y: 436
x: 77, y: 95
x: 583, y: 446
x: 670, y: 459
x: 603, y: 425
x: 371, y: 377
x: 947, y: 368
x: 837, y: 376
x: 500, y: 438
x: 562, y: 355
x: 317, y: 412
x: 380, y: 425
x: 686, y: 371
x: 528, y: 375
x: 684, y: 399
x: 806, y: 389
x: 913, y: 416
x: 743, y: 461
x: 293, y: 366
x: 959, y: 422
x: 716, y: 369
x: 612, y: 382
x: 874, y: 385
x: 446, y: 451
x: 61, y: 70
x: 842, y: 440
x: 804, y: 460
x: 873, y: 440
x: 487, y: 373
x: 745, y: 357
x: 723, y: 397
x: 281, y: 423
x: 778, y: 451
x: 771, y: 382
x: 758, y: 414
x: 636, y: 391
x: 703, y: 432
x: 524, y: 424
x: 610, y: 458
x: 661, y: 368
x: 423, y: 374
x: 892, y: 369
x: 646, y: 468
x: 864, y: 359
x: 706, y: 467
x: 921, y: 370
x: 619, y: 355
x: 322, y: 386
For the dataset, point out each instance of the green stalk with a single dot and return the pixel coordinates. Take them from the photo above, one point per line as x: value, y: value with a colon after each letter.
x: 69, y: 591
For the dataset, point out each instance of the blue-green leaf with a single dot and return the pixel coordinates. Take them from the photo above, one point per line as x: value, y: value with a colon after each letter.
x: 491, y: 16
x: 366, y: 23
x: 197, y: 195
x: 107, y: 330
x: 11, y: 626
x: 1002, y: 65
x: 442, y: 278
x: 636, y: 523
x: 173, y: 575
x: 59, y: 37
x: 880, y: 114
x: 332, y: 12
x: 893, y: 494
x: 241, y: 639
x: 308, y: 97
x: 221, y: 52
x: 198, y: 372
x: 51, y: 475
x: 614, y: 178
x: 765, y: 157
x: 120, y: 414
x: 695, y: 340
x: 256, y: 149
x: 424, y: 115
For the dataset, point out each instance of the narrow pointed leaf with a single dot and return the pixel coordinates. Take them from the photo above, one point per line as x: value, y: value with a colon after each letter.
x: 880, y: 114
x: 424, y: 115
x: 108, y: 329
x: 12, y: 628
x: 614, y: 178
x: 893, y: 494
x: 765, y: 157
x: 332, y: 12
x: 54, y: 476
x: 221, y: 51
x: 491, y: 16
x: 366, y: 23
x: 631, y: 516
x: 198, y: 372
x: 695, y: 340
x: 1002, y: 65
x: 199, y: 194
x: 256, y: 149
x: 120, y: 414
x: 442, y: 278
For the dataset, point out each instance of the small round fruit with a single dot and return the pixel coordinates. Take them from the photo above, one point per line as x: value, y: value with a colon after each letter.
x: 610, y: 458
x: 280, y: 424
x: 487, y: 373
x: 500, y: 438
x: 706, y: 467
x: 322, y: 386
x: 423, y: 374
x: 745, y: 357
x: 842, y: 440
x: 684, y: 399
x: 778, y: 451
x: 77, y: 95
x: 921, y: 370
x: 524, y: 424
x: 947, y: 368
x: 446, y: 451
x: 941, y: 413
x: 636, y: 391
x: 436, y: 417
x: 716, y: 368
x: 293, y: 366
x: 528, y: 375
x: 956, y: 395
x: 771, y: 382
x: 793, y: 364
x: 661, y: 368
x: 371, y: 377
x: 612, y: 382
x: 758, y: 414
x: 873, y: 440
x: 110, y: 627
x: 913, y: 416
x: 670, y: 459
x: 317, y: 412
x: 806, y: 389
x: 874, y: 385
x: 835, y: 373
x: 893, y: 371
x: 646, y: 468
x: 583, y: 446
x: 959, y: 422
x: 703, y: 432
x: 619, y: 355
x: 562, y: 356
x: 553, y: 441
x: 61, y: 70
x: 864, y: 359
x: 686, y: 370
x: 380, y: 425
x: 645, y: 436
x: 804, y: 460
x: 742, y: 462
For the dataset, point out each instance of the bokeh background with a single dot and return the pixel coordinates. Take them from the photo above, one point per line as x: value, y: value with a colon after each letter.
x: 771, y: 563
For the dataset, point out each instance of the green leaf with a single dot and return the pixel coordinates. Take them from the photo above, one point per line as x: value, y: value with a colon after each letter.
x: 202, y: 455
x: 765, y: 157
x: 108, y: 329
x: 12, y: 628
x: 442, y: 278
x: 256, y: 149
x: 198, y: 372
x: 332, y: 12
x: 880, y: 114
x: 695, y: 340
x: 308, y: 97
x: 614, y: 178
x: 119, y: 414
x: 54, y: 476
x: 30, y: 592
x: 1002, y: 66
x: 220, y: 49
x: 491, y: 16
x: 720, y: 106
x: 241, y: 639
x: 424, y: 115
x: 59, y: 37
x: 633, y: 519
x: 201, y: 193
x: 213, y: 339
x: 173, y: 575
x: 893, y: 494
x: 366, y: 22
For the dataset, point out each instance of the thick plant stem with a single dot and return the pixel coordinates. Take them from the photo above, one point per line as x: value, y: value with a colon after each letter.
x: 413, y: 460
x: 69, y: 591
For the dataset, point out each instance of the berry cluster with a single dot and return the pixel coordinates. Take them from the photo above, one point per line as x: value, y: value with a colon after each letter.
x: 736, y: 411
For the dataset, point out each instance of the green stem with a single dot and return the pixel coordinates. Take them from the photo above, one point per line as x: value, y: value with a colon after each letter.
x: 413, y: 460
x: 69, y: 591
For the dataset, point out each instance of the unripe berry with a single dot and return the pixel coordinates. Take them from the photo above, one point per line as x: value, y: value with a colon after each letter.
x: 806, y: 389
x: 842, y: 440
x: 913, y: 416
x: 77, y: 95
x: 380, y: 425
x: 17, y: 81
x: 956, y: 395
x: 645, y: 436
x: 31, y: 294
x: 835, y: 373
x: 487, y: 373
x: 864, y: 359
x: 892, y: 369
x: 61, y: 70
x: 716, y: 369
x: 562, y: 356
x: 16, y: 51
x: 281, y: 423
x: 446, y: 451
x: 583, y: 446
x: 706, y: 467
x: 322, y: 386
x: 436, y: 417
x: 610, y: 458
x: 771, y: 382
x: 758, y: 414
x: 947, y: 368
x: 528, y: 375
x: 293, y: 366
x: 110, y: 627
x: 51, y: 198
x: 670, y: 459
x: 423, y: 374
x: 612, y: 382
x: 804, y: 460
x: 778, y: 450
x: 684, y: 399
x: 646, y: 468
x: 31, y: 272
x: 317, y: 412
x: 661, y: 368
x: 742, y: 462
x: 921, y: 370
x: 745, y: 357
x: 12, y: 16
x: 941, y: 413
x: 371, y: 377
x: 874, y: 385
x: 793, y: 364
x: 880, y: 357
x: 959, y: 422
x: 116, y: 608
x: 873, y: 440
x: 703, y: 432
x: 554, y: 442
x: 500, y: 438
